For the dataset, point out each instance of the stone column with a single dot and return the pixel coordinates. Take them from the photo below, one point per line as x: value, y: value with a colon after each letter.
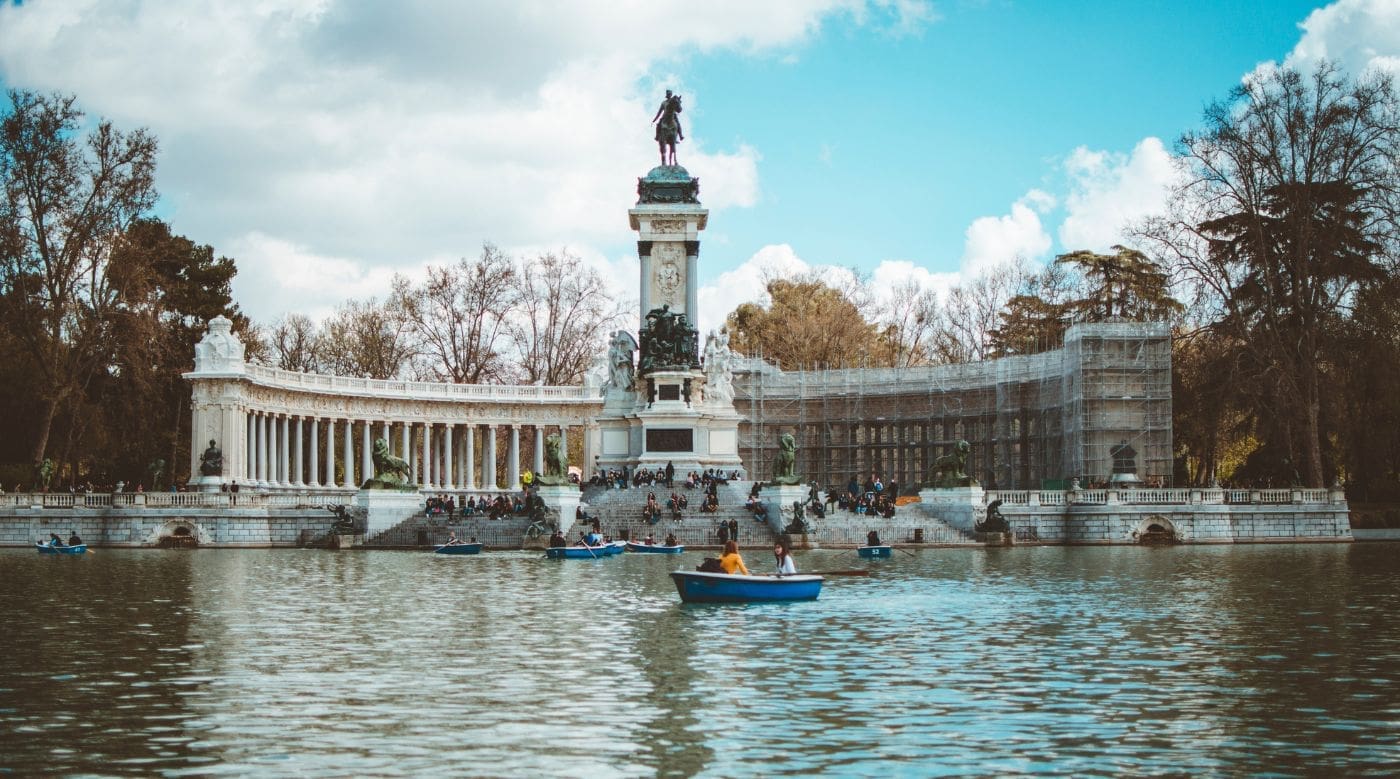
x: 564, y: 443
x: 298, y: 473
x: 404, y: 444
x: 692, y: 280
x: 284, y: 453
x: 330, y: 452
x: 427, y: 470
x: 384, y: 430
x: 513, y: 460
x: 539, y: 450
x: 366, y: 457
x: 349, y: 458
x: 315, y: 473
x: 449, y: 477
x: 488, y: 466
x: 250, y: 465
x: 262, y: 449
x: 470, y: 457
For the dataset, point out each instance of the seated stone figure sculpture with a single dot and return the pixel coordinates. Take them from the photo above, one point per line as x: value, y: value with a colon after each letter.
x: 211, y: 463
x: 390, y: 472
x: 948, y: 471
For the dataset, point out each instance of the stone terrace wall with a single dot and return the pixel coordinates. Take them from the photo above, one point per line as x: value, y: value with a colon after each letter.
x: 218, y: 528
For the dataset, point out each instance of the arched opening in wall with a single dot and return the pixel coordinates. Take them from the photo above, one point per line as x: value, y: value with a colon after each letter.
x: 1156, y: 530
x: 178, y: 536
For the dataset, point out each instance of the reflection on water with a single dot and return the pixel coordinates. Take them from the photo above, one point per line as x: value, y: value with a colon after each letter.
x: 1069, y: 661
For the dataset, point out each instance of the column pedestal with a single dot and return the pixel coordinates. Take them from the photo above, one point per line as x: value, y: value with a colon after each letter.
x: 563, y: 498
x: 959, y: 507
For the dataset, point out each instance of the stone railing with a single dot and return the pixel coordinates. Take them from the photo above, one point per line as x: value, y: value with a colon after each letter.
x: 1174, y: 496
x: 419, y: 390
x: 124, y: 500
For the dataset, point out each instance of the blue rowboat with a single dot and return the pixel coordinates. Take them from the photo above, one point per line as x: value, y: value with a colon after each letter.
x: 874, y: 551
x: 459, y: 549
x: 654, y: 548
x: 577, y: 552
x: 699, y: 587
x: 617, y: 547
x: 46, y: 549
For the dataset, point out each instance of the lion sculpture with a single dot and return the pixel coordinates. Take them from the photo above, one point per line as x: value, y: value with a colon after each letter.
x: 390, y: 472
x: 950, y: 469
x: 785, y: 464
x: 556, y: 462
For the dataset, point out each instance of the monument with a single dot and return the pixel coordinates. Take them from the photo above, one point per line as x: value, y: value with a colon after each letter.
x: 553, y: 486
x: 665, y: 401
x: 949, y: 493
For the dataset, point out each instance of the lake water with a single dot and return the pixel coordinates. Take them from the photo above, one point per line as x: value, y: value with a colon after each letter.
x: 1266, y: 660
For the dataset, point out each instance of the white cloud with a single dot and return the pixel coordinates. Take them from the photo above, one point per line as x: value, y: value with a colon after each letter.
x: 383, y: 135
x: 996, y: 240
x: 1109, y: 191
x: 1360, y: 34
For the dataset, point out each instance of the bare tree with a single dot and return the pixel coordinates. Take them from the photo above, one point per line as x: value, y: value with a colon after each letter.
x: 459, y: 314
x: 370, y: 339
x: 564, y: 313
x: 906, y: 320
x: 971, y: 314
x: 295, y: 344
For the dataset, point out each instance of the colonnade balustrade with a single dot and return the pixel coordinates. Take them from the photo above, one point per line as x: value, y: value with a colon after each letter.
x: 293, y: 452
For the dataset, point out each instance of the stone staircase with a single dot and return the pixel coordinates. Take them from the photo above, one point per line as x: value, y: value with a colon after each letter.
x: 620, y: 514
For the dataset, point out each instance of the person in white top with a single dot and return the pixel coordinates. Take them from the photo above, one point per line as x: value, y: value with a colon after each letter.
x: 783, y: 558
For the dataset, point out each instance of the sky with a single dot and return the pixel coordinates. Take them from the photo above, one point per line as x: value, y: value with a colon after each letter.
x: 327, y: 145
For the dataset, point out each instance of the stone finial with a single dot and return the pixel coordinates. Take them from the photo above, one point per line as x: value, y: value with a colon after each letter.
x: 219, y: 351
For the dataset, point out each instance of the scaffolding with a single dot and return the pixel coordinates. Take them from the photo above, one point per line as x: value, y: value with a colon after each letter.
x: 1035, y: 421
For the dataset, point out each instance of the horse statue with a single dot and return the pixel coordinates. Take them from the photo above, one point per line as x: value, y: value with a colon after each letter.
x: 668, y: 127
x: 556, y: 462
x: 390, y: 472
x: 785, y: 464
x: 949, y: 470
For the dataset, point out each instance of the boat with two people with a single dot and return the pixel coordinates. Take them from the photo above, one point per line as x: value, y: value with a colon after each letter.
x: 873, y: 549
x: 457, y: 546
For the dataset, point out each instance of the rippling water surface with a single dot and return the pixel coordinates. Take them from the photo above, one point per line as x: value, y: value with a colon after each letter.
x: 1275, y: 660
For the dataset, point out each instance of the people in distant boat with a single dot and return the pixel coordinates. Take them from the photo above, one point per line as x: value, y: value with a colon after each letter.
x: 557, y: 540
x: 593, y: 538
x: 730, y: 561
x: 649, y: 540
x: 670, y: 539
x: 783, y: 558
x: 73, y: 539
x: 452, y: 539
x: 872, y: 538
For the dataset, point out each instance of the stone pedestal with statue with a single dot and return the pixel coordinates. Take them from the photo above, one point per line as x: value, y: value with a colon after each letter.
x: 666, y: 400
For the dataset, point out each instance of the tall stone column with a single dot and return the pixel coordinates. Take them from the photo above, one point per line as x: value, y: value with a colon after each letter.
x: 384, y: 431
x: 564, y: 443
x: 366, y: 458
x: 296, y: 479
x: 470, y: 443
x: 449, y: 477
x: 314, y: 473
x: 349, y: 459
x: 427, y: 470
x: 513, y: 460
x: 488, y: 467
x: 330, y: 452
x: 404, y: 443
x: 250, y: 466
x: 262, y: 449
x: 284, y: 454
x: 539, y: 450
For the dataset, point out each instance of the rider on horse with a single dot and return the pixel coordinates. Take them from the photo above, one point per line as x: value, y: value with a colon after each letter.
x: 668, y: 129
